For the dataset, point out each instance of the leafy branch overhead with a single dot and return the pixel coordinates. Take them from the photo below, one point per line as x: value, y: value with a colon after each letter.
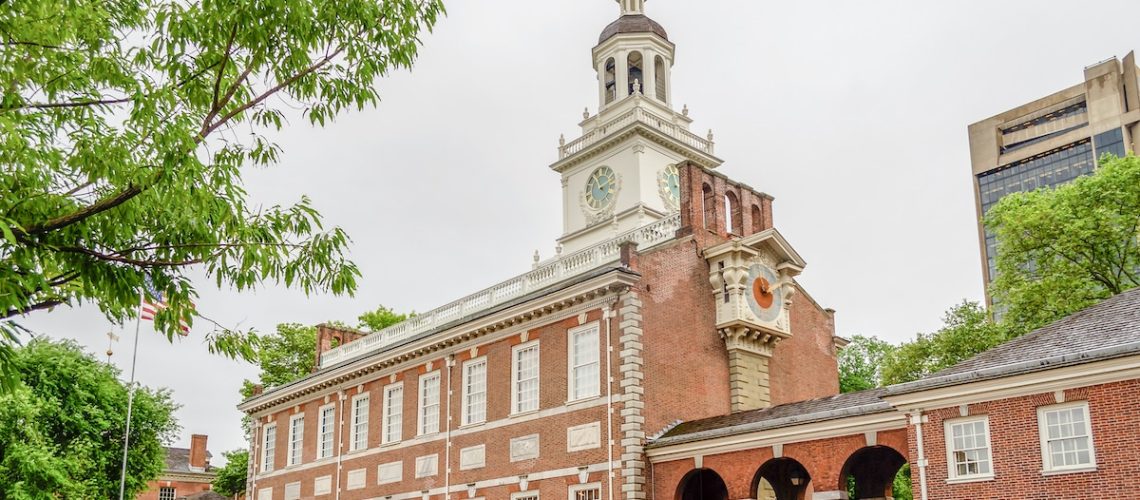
x: 125, y: 126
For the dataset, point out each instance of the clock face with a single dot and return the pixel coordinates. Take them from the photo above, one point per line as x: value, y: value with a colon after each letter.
x: 601, y: 189
x: 764, y: 296
x: 669, y: 184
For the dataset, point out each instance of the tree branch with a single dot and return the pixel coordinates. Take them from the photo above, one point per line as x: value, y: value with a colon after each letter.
x: 128, y: 260
x: 222, y: 69
x: 47, y: 304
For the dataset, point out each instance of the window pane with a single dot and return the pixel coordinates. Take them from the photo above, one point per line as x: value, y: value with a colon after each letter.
x: 526, y: 379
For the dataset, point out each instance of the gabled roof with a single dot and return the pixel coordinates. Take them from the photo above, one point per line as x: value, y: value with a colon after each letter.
x: 1110, y: 329
x: 178, y: 460
x: 803, y: 412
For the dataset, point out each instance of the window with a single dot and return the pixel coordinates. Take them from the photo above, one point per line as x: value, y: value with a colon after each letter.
x: 584, y: 374
x: 359, y: 422
x: 524, y: 378
x: 325, y: 439
x: 611, y: 80
x: 968, y: 448
x: 586, y: 492
x: 429, y: 403
x: 635, y: 61
x: 296, y: 438
x: 733, y: 218
x: 659, y: 70
x: 525, y: 495
x: 393, y: 413
x: 757, y: 219
x: 166, y: 493
x: 269, y: 433
x: 1066, y: 438
x: 709, y: 206
x: 475, y: 391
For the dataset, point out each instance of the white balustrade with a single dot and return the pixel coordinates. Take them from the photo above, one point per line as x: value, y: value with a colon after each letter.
x: 559, y: 269
x: 641, y: 115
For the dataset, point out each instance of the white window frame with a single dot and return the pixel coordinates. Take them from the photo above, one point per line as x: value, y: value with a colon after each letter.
x: 525, y: 495
x: 1043, y: 433
x: 466, y: 415
x: 398, y: 422
x: 268, y: 447
x: 952, y: 465
x: 321, y: 434
x: 572, y: 494
x: 360, y: 433
x: 173, y: 493
x: 424, y: 428
x: 571, y: 380
x: 515, y: 378
x: 296, y: 441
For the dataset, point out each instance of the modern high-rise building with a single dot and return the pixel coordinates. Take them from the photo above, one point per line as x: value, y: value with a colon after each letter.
x: 1053, y: 140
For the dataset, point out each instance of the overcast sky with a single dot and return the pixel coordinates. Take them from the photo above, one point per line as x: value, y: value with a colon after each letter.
x: 852, y: 114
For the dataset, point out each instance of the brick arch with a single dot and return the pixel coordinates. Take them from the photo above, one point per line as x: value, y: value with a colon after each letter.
x: 787, y: 476
x: 702, y: 484
x: 874, y: 469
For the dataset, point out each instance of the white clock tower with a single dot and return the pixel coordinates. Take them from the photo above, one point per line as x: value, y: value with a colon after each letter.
x: 621, y: 173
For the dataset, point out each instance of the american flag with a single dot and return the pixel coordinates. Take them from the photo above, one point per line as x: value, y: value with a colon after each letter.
x: 153, y: 302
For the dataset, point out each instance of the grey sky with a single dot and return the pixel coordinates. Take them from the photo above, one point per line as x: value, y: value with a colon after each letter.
x: 852, y: 114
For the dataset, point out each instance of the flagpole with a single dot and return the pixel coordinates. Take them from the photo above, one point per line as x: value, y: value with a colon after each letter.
x: 130, y: 404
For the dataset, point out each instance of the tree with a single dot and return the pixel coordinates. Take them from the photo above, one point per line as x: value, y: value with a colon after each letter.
x: 230, y: 479
x: 861, y: 363
x: 291, y: 353
x: 1061, y: 250
x: 125, y: 126
x: 967, y: 330
x: 61, y: 427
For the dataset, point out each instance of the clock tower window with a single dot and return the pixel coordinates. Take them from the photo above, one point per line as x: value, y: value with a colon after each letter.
x: 660, y: 92
x: 636, y: 79
x: 610, y: 79
x: 733, y: 218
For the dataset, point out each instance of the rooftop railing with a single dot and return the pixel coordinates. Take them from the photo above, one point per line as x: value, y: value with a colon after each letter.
x: 558, y: 269
x: 637, y: 115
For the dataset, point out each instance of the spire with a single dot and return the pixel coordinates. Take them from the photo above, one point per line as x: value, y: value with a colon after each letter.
x: 632, y: 7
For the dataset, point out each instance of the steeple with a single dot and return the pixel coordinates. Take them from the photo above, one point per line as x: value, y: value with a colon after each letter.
x: 632, y: 7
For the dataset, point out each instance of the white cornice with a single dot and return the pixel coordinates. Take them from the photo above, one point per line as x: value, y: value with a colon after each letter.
x: 395, y: 359
x: 641, y: 129
x: 1069, y: 377
x: 782, y: 435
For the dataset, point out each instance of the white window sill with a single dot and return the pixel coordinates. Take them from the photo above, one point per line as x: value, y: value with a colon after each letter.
x: 584, y: 400
x: 523, y: 413
x: 390, y: 444
x: 1073, y: 470
x: 970, y: 479
x: 471, y: 425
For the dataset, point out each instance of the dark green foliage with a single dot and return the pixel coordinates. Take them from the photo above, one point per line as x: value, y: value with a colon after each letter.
x: 966, y: 331
x: 126, y: 127
x: 861, y: 363
x: 61, y: 427
x: 230, y: 480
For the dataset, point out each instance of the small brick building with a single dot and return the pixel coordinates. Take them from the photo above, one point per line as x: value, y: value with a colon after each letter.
x: 187, y: 472
x: 1053, y: 414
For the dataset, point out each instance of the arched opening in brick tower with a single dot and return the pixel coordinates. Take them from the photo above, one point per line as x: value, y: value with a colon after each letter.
x: 702, y: 484
x: 870, y: 472
x: 781, y: 479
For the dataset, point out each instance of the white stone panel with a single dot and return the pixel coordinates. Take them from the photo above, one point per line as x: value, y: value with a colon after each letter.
x: 427, y: 466
x: 293, y: 491
x: 473, y: 457
x: 357, y: 479
x: 265, y: 493
x: 584, y: 437
x: 524, y: 448
x: 392, y: 472
x: 322, y: 485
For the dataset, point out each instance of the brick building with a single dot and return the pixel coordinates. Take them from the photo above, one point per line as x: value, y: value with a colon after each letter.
x: 671, y: 297
x: 187, y: 472
x: 1053, y: 414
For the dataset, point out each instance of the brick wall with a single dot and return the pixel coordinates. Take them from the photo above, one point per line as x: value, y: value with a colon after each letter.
x: 1114, y: 411
x: 181, y: 488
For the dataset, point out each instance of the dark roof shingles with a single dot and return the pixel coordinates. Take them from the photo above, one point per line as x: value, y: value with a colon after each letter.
x: 632, y: 23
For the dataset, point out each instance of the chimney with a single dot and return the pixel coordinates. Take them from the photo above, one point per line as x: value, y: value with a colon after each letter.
x: 198, y: 452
